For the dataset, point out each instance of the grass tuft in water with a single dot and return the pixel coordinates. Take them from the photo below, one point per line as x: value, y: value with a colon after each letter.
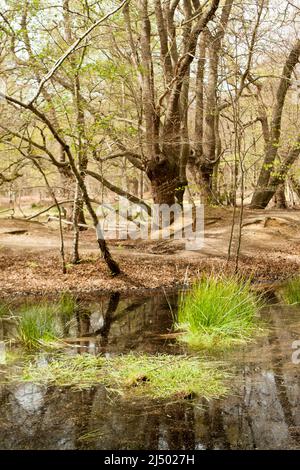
x: 4, y: 310
x: 42, y: 324
x: 219, y: 312
x: 290, y: 292
x: 160, y: 376
x: 38, y: 326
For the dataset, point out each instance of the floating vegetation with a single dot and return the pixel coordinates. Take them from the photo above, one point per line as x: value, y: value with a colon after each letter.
x: 160, y: 376
x: 290, y: 292
x: 219, y: 312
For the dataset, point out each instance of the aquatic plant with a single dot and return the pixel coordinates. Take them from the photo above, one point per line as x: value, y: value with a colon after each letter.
x: 4, y: 309
x: 290, y: 292
x: 163, y: 376
x: 218, y: 312
x: 160, y: 376
x: 42, y: 323
x: 38, y: 325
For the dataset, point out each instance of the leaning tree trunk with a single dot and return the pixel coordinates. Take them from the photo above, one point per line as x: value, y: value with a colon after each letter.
x: 264, y: 195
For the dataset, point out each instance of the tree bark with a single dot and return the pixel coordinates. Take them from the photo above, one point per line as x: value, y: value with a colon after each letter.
x: 280, y: 199
x: 264, y: 195
x: 207, y: 150
x: 166, y: 141
x: 265, y: 186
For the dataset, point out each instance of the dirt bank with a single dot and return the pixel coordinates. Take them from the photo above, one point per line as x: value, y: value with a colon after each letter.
x: 29, y: 260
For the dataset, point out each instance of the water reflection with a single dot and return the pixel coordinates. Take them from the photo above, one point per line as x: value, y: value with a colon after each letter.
x: 117, y: 325
x: 262, y: 412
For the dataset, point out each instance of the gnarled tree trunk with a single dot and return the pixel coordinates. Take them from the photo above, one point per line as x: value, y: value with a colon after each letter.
x: 166, y: 138
x: 207, y: 150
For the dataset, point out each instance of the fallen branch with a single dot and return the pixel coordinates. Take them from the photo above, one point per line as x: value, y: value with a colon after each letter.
x: 67, y: 222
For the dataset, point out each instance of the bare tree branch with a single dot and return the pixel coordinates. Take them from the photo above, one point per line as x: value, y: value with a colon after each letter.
x: 72, y: 48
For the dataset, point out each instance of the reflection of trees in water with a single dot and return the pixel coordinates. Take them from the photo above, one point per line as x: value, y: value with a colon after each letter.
x: 261, y: 414
x: 141, y: 424
x: 126, y: 325
x: 285, y: 374
x: 34, y: 417
x: 179, y: 423
x: 40, y: 418
x: 138, y: 324
x: 210, y: 423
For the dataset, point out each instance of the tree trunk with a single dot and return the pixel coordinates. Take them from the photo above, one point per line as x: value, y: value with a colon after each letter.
x: 75, y: 255
x: 264, y: 190
x: 165, y: 181
x: 295, y: 185
x: 280, y: 200
x: 263, y: 196
x: 166, y: 140
x: 207, y: 142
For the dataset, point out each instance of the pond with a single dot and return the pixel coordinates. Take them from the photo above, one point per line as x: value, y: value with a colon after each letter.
x: 261, y: 411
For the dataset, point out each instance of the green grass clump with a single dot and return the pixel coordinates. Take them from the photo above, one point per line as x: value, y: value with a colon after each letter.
x: 42, y: 324
x: 38, y: 326
x: 290, y: 292
x: 164, y: 376
x: 219, y: 312
x: 161, y: 376
x: 66, y: 306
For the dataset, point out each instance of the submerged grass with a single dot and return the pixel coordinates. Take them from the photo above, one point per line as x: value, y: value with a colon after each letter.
x: 160, y: 376
x: 219, y: 312
x: 290, y: 292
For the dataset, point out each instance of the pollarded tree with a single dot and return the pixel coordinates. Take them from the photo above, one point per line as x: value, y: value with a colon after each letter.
x: 165, y: 113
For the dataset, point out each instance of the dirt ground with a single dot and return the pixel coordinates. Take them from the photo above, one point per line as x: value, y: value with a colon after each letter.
x: 30, y: 261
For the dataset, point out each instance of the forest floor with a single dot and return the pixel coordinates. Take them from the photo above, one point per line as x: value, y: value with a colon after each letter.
x: 30, y: 261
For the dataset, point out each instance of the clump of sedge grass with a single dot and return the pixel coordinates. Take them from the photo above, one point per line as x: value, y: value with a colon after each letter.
x: 42, y: 324
x: 4, y: 310
x: 219, y: 312
x: 161, y: 376
x: 80, y: 371
x: 290, y: 292
x: 38, y: 326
